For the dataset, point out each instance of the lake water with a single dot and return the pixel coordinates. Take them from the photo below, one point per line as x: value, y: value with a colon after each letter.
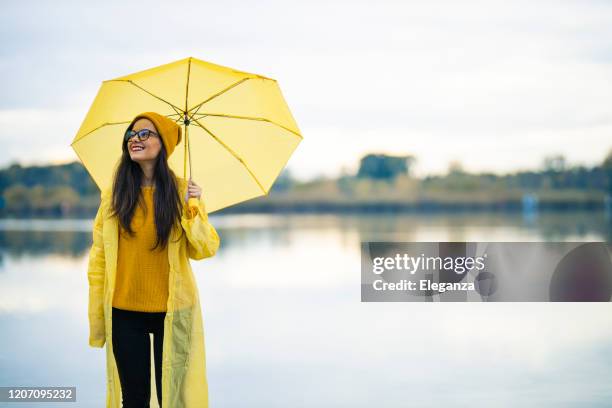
x: 285, y: 327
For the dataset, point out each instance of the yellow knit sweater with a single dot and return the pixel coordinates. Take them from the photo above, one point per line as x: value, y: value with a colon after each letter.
x: 142, y: 274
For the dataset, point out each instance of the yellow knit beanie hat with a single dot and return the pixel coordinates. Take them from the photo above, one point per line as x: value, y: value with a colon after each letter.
x: 169, y: 131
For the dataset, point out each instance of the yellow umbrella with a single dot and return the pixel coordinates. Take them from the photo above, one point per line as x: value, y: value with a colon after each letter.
x: 238, y: 132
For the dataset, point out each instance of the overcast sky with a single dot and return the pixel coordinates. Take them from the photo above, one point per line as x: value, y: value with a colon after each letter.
x: 496, y: 85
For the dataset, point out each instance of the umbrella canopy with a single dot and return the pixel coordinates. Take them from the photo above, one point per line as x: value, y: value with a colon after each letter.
x: 238, y: 132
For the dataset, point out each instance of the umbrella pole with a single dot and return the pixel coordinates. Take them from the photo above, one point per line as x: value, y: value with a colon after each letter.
x: 187, y: 149
x: 185, y: 155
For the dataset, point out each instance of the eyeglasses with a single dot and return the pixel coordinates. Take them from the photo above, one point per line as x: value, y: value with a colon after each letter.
x: 143, y: 134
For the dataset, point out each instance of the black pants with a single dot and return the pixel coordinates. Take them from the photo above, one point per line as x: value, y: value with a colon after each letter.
x: 132, y: 350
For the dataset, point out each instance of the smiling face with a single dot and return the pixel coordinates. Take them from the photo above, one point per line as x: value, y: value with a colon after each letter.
x: 146, y: 150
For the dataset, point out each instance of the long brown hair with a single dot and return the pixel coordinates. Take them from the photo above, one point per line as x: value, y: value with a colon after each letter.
x: 126, y: 194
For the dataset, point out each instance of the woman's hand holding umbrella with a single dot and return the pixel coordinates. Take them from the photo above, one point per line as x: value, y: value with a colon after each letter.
x: 193, y: 191
x: 192, y: 198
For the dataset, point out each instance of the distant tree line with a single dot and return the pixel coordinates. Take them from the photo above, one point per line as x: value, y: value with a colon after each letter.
x: 47, y: 190
x: 68, y: 190
x: 556, y: 174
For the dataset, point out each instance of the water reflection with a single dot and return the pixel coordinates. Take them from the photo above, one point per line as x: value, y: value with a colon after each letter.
x: 285, y: 325
x: 73, y: 237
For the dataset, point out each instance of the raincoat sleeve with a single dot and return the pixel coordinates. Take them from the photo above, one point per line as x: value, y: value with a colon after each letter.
x: 202, y: 238
x: 95, y: 276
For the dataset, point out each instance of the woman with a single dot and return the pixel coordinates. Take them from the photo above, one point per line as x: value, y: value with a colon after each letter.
x: 149, y: 224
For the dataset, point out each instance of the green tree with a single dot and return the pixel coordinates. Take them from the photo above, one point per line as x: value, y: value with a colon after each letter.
x: 284, y: 182
x: 384, y: 167
x: 607, y: 168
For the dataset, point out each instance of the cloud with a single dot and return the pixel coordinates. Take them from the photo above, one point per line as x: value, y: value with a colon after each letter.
x: 438, y: 79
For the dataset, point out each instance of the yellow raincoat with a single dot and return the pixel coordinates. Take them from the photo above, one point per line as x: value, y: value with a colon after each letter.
x: 184, y: 383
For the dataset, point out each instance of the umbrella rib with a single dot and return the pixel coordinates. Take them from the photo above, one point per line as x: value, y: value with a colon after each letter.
x: 215, y: 95
x: 176, y: 108
x: 179, y: 118
x: 240, y: 159
x: 252, y: 118
x: 187, y: 84
x: 93, y: 130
